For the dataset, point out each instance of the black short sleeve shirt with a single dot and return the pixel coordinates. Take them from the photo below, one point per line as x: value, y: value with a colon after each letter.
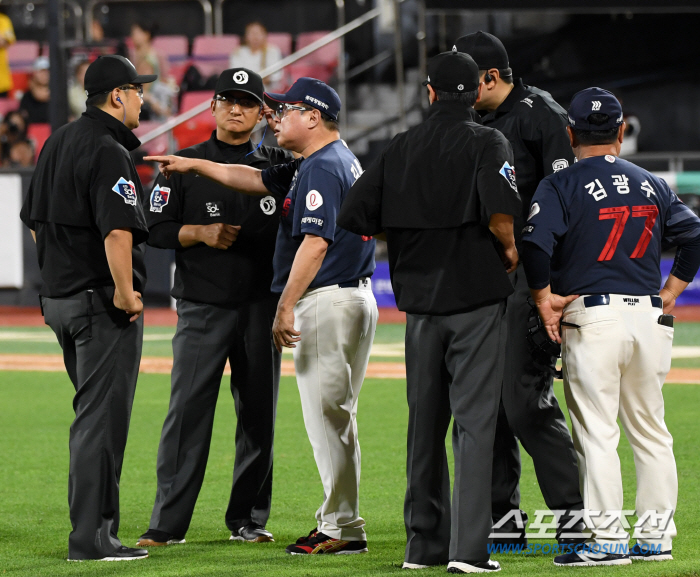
x: 84, y: 186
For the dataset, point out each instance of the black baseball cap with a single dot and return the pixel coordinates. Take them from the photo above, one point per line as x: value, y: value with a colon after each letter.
x: 110, y: 72
x: 310, y: 91
x: 240, y: 80
x: 591, y: 101
x: 486, y: 50
x: 452, y: 72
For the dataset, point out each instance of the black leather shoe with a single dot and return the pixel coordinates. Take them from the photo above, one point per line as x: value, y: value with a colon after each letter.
x: 252, y: 533
x: 572, y: 536
x: 480, y: 567
x: 155, y: 538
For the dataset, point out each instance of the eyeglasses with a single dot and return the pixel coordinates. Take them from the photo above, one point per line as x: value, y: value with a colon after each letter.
x: 137, y: 87
x: 284, y: 108
x: 231, y: 101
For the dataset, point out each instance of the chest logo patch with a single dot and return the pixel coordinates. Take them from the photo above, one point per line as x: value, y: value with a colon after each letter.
x: 610, y: 158
x: 508, y: 173
x: 268, y: 205
x: 159, y: 198
x: 313, y: 200
x: 534, y: 209
x: 126, y: 189
x: 560, y: 164
x: 214, y: 209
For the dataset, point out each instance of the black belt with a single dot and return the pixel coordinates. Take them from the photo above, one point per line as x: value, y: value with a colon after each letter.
x: 599, y: 300
x: 353, y: 283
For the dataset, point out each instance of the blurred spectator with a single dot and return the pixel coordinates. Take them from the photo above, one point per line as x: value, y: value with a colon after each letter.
x: 7, y: 37
x: 21, y: 155
x: 35, y: 101
x: 98, y: 33
x: 158, y: 96
x: 12, y: 130
x: 256, y: 54
x: 142, y: 35
x: 76, y: 90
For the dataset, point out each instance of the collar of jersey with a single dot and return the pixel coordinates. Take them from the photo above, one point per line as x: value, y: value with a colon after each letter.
x: 516, y: 95
x: 452, y: 109
x: 121, y: 133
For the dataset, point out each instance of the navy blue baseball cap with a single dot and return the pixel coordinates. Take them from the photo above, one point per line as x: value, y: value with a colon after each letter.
x: 310, y: 91
x: 591, y: 101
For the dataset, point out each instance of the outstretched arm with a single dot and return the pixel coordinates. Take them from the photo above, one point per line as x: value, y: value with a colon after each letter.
x: 245, y: 179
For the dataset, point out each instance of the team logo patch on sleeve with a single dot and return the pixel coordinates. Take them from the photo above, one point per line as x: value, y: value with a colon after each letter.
x: 312, y: 220
x: 508, y: 173
x: 159, y: 198
x: 313, y: 200
x: 126, y: 189
x: 534, y: 209
x: 560, y: 164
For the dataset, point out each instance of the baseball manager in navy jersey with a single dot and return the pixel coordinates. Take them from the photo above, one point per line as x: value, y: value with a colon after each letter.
x: 535, y: 126
x: 591, y: 250
x: 224, y: 244
x: 327, y: 312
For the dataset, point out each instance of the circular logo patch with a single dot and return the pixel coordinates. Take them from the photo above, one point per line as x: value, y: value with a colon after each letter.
x: 313, y: 200
x: 240, y: 77
x: 268, y: 205
x: 460, y: 87
x: 609, y: 158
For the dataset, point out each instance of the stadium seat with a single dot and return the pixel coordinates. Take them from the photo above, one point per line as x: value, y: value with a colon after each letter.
x: 211, y: 54
x: 302, y: 68
x: 282, y: 40
x: 158, y: 145
x: 196, y: 129
x: 38, y: 134
x: 174, y: 49
x: 7, y: 105
x: 22, y: 54
x: 324, y: 59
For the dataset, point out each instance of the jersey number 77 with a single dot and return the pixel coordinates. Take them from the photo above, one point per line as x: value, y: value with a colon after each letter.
x: 621, y: 214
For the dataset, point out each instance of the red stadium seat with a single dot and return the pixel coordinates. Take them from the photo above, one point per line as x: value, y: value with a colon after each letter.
x: 282, y: 40
x: 210, y: 54
x: 157, y: 146
x: 22, y: 54
x: 38, y: 134
x: 302, y: 68
x: 8, y: 104
x: 324, y: 60
x: 174, y: 50
x: 20, y: 80
x: 196, y: 129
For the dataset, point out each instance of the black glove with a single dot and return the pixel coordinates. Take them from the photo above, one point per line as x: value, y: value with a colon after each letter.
x: 544, y: 350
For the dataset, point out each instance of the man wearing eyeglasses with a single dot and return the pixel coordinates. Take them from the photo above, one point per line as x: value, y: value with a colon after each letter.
x: 326, y: 313
x: 84, y: 211
x: 224, y: 242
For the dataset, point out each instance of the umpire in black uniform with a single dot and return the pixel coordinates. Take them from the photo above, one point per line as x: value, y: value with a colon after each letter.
x: 535, y: 126
x: 224, y: 244
x: 84, y: 210
x: 436, y: 191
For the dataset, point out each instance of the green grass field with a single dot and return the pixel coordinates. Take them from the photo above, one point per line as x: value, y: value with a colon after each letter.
x: 35, y: 415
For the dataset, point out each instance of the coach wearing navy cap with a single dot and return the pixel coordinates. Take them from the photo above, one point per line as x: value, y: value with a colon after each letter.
x: 439, y: 192
x: 84, y: 208
x: 327, y: 313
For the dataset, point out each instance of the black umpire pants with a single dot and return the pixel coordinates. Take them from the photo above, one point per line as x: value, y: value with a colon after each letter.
x: 454, y: 367
x: 102, y: 353
x: 206, y: 337
x: 530, y: 411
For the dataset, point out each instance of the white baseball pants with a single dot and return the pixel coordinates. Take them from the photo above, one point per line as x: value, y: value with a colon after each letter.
x: 337, y: 328
x: 614, y: 366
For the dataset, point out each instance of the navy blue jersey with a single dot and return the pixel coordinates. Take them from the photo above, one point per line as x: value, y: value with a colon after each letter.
x: 315, y: 188
x: 603, y: 221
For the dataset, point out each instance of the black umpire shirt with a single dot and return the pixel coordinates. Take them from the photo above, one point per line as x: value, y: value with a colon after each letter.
x: 535, y: 126
x: 433, y: 190
x: 84, y: 186
x: 243, y: 272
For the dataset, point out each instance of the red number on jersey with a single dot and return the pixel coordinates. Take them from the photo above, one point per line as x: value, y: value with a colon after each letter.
x: 621, y: 214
